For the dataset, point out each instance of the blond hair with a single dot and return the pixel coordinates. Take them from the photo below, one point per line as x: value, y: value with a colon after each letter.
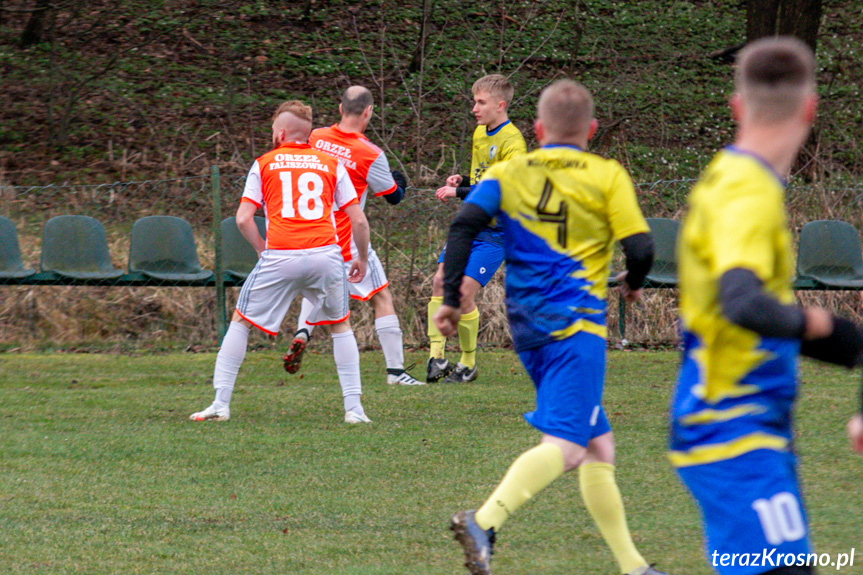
x: 496, y: 85
x: 566, y: 109
x: 295, y: 107
x: 774, y: 76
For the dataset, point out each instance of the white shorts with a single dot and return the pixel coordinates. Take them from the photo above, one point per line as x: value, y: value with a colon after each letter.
x: 374, y: 281
x: 317, y: 274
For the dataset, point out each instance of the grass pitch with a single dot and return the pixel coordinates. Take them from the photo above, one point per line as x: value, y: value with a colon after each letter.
x: 102, y: 472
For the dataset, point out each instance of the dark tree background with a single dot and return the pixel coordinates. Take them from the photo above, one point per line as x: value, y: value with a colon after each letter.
x: 799, y: 18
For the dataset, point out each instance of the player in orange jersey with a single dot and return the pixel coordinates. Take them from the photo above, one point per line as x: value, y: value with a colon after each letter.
x: 299, y: 187
x: 369, y: 171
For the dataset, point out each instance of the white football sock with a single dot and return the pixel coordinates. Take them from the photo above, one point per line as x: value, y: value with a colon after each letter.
x: 352, y: 403
x: 305, y: 311
x: 347, y: 357
x: 228, y: 362
x: 390, y: 336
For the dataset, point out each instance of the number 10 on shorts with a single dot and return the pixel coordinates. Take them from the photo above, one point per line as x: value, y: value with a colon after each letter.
x: 309, y: 204
x: 781, y: 519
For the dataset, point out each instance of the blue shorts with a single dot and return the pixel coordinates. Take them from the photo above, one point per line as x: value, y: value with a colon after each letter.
x: 485, y: 258
x: 568, y: 375
x: 752, y: 512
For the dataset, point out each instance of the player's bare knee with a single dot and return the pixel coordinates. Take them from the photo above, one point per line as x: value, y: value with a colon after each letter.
x: 573, y: 453
x: 240, y: 319
x: 573, y: 459
x: 469, y: 290
x: 382, y: 303
x: 600, y: 449
x: 437, y: 283
x: 341, y: 327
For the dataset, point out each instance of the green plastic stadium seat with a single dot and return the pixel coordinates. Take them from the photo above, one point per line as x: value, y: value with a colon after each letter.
x: 664, y: 270
x: 829, y: 253
x: 76, y: 247
x: 11, y: 266
x: 238, y: 256
x: 163, y: 248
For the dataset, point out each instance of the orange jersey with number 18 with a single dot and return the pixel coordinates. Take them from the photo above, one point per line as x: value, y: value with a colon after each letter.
x: 299, y: 187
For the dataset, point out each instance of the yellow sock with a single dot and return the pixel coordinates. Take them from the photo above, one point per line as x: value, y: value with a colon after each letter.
x: 468, y: 327
x: 437, y: 342
x: 532, y: 472
x: 602, y: 498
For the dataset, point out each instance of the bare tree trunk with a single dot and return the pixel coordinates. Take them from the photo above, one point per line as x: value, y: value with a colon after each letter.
x: 35, y: 26
x: 761, y: 18
x: 799, y: 18
x: 576, y: 31
x: 419, y: 51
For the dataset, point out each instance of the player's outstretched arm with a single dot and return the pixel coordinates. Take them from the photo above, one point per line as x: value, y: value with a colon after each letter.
x: 825, y: 337
x: 396, y: 196
x: 470, y: 220
x: 445, y: 193
x: 457, y: 186
x: 638, y: 251
x: 855, y: 428
x: 248, y: 228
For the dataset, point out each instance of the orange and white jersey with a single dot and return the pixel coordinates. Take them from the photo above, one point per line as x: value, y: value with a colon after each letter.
x: 299, y: 189
x: 367, y: 165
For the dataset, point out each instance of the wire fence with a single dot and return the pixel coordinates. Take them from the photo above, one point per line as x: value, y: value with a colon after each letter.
x: 158, y: 310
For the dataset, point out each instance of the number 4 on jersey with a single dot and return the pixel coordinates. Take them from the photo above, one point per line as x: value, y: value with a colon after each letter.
x: 558, y: 217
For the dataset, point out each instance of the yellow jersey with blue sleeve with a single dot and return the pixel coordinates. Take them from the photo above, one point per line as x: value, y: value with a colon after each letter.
x: 492, y: 146
x: 735, y: 388
x: 561, y: 210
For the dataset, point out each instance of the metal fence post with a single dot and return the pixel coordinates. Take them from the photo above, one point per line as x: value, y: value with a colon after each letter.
x: 221, y: 314
x: 621, y: 318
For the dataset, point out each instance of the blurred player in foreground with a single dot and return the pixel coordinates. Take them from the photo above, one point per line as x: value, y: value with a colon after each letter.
x: 561, y: 209
x: 369, y: 170
x: 731, y: 439
x: 298, y: 187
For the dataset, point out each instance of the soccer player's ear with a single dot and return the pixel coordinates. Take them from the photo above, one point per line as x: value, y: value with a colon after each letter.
x: 539, y: 130
x: 501, y: 106
x: 594, y: 125
x: 340, y: 111
x: 810, y: 109
x: 736, y: 105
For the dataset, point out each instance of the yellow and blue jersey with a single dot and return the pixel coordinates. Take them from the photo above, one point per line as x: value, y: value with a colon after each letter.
x: 561, y: 210
x: 735, y: 388
x: 491, y: 147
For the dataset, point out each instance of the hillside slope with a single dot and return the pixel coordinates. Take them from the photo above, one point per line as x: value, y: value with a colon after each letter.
x: 141, y: 89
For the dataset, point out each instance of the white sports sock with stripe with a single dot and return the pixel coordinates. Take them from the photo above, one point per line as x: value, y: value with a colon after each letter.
x: 390, y: 336
x: 228, y: 362
x: 305, y: 311
x: 347, y: 357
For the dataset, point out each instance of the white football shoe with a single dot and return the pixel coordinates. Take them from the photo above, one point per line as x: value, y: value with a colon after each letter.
x: 212, y: 413
x: 354, y: 417
x: 402, y: 377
